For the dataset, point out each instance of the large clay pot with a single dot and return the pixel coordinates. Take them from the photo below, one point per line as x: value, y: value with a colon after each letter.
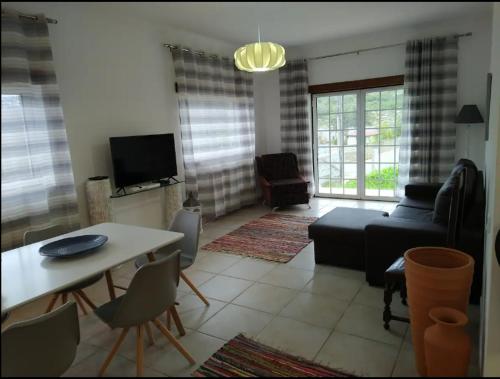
x: 435, y: 277
x: 447, y: 346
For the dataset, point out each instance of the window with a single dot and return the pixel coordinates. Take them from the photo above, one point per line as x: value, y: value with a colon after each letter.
x: 356, y: 140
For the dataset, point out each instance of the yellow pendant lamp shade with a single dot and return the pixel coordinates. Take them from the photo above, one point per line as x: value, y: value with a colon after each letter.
x: 260, y: 56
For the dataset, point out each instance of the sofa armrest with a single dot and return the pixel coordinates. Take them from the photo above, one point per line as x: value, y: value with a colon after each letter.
x: 422, y: 190
x: 387, y: 239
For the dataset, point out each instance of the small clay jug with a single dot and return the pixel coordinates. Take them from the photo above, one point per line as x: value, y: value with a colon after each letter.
x: 446, y: 344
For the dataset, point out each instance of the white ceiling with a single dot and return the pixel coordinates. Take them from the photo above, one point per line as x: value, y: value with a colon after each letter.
x: 294, y: 23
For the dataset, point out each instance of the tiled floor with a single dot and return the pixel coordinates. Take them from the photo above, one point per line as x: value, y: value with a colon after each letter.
x: 324, y: 313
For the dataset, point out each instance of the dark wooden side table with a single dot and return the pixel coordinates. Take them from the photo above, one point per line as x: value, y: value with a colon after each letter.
x: 394, y: 280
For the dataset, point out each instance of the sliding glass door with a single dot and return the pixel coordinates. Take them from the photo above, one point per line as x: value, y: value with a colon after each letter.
x: 356, y: 142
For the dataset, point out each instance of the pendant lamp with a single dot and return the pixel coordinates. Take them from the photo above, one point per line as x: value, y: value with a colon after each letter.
x: 260, y: 56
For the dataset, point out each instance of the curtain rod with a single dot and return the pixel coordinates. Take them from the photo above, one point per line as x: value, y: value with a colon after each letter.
x: 34, y: 18
x: 375, y: 48
x: 170, y: 46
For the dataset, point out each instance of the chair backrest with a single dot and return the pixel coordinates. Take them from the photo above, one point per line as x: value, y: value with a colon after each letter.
x: 43, y: 346
x: 188, y: 223
x: 36, y: 235
x: 152, y: 290
x: 278, y: 166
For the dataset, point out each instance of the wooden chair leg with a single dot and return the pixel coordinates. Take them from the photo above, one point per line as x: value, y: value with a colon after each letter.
x: 177, y: 320
x: 174, y: 341
x: 387, y: 316
x: 193, y: 287
x: 109, y: 281
x: 86, y: 299
x: 113, y: 351
x: 169, y: 320
x: 150, y: 335
x: 79, y: 302
x: 64, y: 297
x: 52, y: 303
x: 139, y: 351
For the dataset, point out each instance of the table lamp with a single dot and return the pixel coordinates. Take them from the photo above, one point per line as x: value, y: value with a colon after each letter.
x: 469, y: 114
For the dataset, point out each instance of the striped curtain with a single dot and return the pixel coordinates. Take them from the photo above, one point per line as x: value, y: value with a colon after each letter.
x: 295, y: 120
x: 427, y: 149
x: 216, y: 107
x: 37, y: 178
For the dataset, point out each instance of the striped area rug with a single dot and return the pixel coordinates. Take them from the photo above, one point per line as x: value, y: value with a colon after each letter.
x: 244, y: 357
x: 274, y: 237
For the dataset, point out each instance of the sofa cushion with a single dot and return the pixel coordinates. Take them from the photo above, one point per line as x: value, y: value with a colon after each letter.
x: 470, y: 181
x: 279, y: 166
x: 421, y: 203
x: 443, y: 198
x: 414, y: 214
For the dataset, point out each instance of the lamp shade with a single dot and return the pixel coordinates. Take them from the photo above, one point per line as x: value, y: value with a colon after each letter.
x: 260, y: 56
x: 469, y: 114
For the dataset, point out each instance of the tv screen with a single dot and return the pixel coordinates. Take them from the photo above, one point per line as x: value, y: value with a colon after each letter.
x: 139, y: 159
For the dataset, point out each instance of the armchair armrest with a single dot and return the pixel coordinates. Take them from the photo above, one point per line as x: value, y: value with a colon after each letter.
x: 426, y: 190
x: 264, y: 182
x: 304, y: 179
x: 387, y: 239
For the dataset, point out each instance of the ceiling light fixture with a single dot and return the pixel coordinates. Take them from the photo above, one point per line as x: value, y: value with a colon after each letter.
x: 260, y: 56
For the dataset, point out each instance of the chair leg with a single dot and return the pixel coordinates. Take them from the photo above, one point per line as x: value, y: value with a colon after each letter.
x: 86, y: 299
x: 168, y: 319
x: 64, y: 297
x: 150, y: 335
x: 79, y: 302
x: 113, y: 351
x: 387, y: 301
x: 174, y: 341
x: 139, y: 351
x: 193, y: 287
x: 109, y: 281
x: 52, y: 303
x: 177, y: 320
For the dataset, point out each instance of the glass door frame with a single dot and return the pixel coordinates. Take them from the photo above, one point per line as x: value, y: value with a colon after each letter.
x: 360, y: 146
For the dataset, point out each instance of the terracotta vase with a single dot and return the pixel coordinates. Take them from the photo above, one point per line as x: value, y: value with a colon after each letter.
x: 447, y: 346
x: 435, y: 277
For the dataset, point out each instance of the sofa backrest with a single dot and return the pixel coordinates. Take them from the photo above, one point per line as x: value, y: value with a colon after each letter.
x: 278, y: 166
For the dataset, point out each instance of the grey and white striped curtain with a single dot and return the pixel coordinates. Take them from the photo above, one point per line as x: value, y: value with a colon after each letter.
x: 294, y: 114
x: 216, y: 107
x: 427, y: 142
x: 37, y: 178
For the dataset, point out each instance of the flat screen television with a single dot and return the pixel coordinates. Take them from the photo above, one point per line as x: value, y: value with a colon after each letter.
x: 140, y: 159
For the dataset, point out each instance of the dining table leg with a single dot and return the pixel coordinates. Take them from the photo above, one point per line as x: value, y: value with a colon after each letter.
x: 111, y: 288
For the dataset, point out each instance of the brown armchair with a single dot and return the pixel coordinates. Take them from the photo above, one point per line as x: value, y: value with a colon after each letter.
x: 280, y: 180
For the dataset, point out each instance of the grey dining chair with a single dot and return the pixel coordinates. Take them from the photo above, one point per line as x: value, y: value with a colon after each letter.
x: 42, y: 346
x: 33, y: 236
x: 188, y: 223
x: 152, y: 290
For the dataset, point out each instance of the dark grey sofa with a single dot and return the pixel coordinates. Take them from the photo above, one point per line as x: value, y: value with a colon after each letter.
x: 431, y: 215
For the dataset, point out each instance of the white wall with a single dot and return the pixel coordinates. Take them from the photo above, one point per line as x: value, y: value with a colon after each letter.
x: 115, y: 79
x: 490, y: 324
x: 473, y: 64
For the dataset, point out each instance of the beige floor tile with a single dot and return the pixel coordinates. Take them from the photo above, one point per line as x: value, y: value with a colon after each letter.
x: 293, y: 336
x: 266, y: 298
x: 304, y: 260
x: 224, y: 288
x: 374, y: 297
x: 91, y: 325
x: 193, y: 312
x: 289, y: 277
x: 341, y: 271
x: 197, y: 277
x: 249, y: 269
x: 405, y: 364
x: 358, y: 355
x: 119, y: 366
x: 364, y: 321
x: 167, y: 360
x: 336, y: 286
x: 319, y: 310
x: 215, y: 262
x: 233, y: 319
x: 84, y: 350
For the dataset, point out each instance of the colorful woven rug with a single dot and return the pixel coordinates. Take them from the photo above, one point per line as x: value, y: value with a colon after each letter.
x: 275, y: 237
x: 244, y: 357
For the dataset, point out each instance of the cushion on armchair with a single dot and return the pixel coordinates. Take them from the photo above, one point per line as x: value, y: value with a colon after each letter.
x: 443, y: 199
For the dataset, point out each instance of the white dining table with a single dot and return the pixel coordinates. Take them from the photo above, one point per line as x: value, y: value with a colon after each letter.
x: 27, y: 275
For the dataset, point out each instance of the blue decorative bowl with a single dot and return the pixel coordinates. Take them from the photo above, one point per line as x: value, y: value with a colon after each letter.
x: 68, y: 247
